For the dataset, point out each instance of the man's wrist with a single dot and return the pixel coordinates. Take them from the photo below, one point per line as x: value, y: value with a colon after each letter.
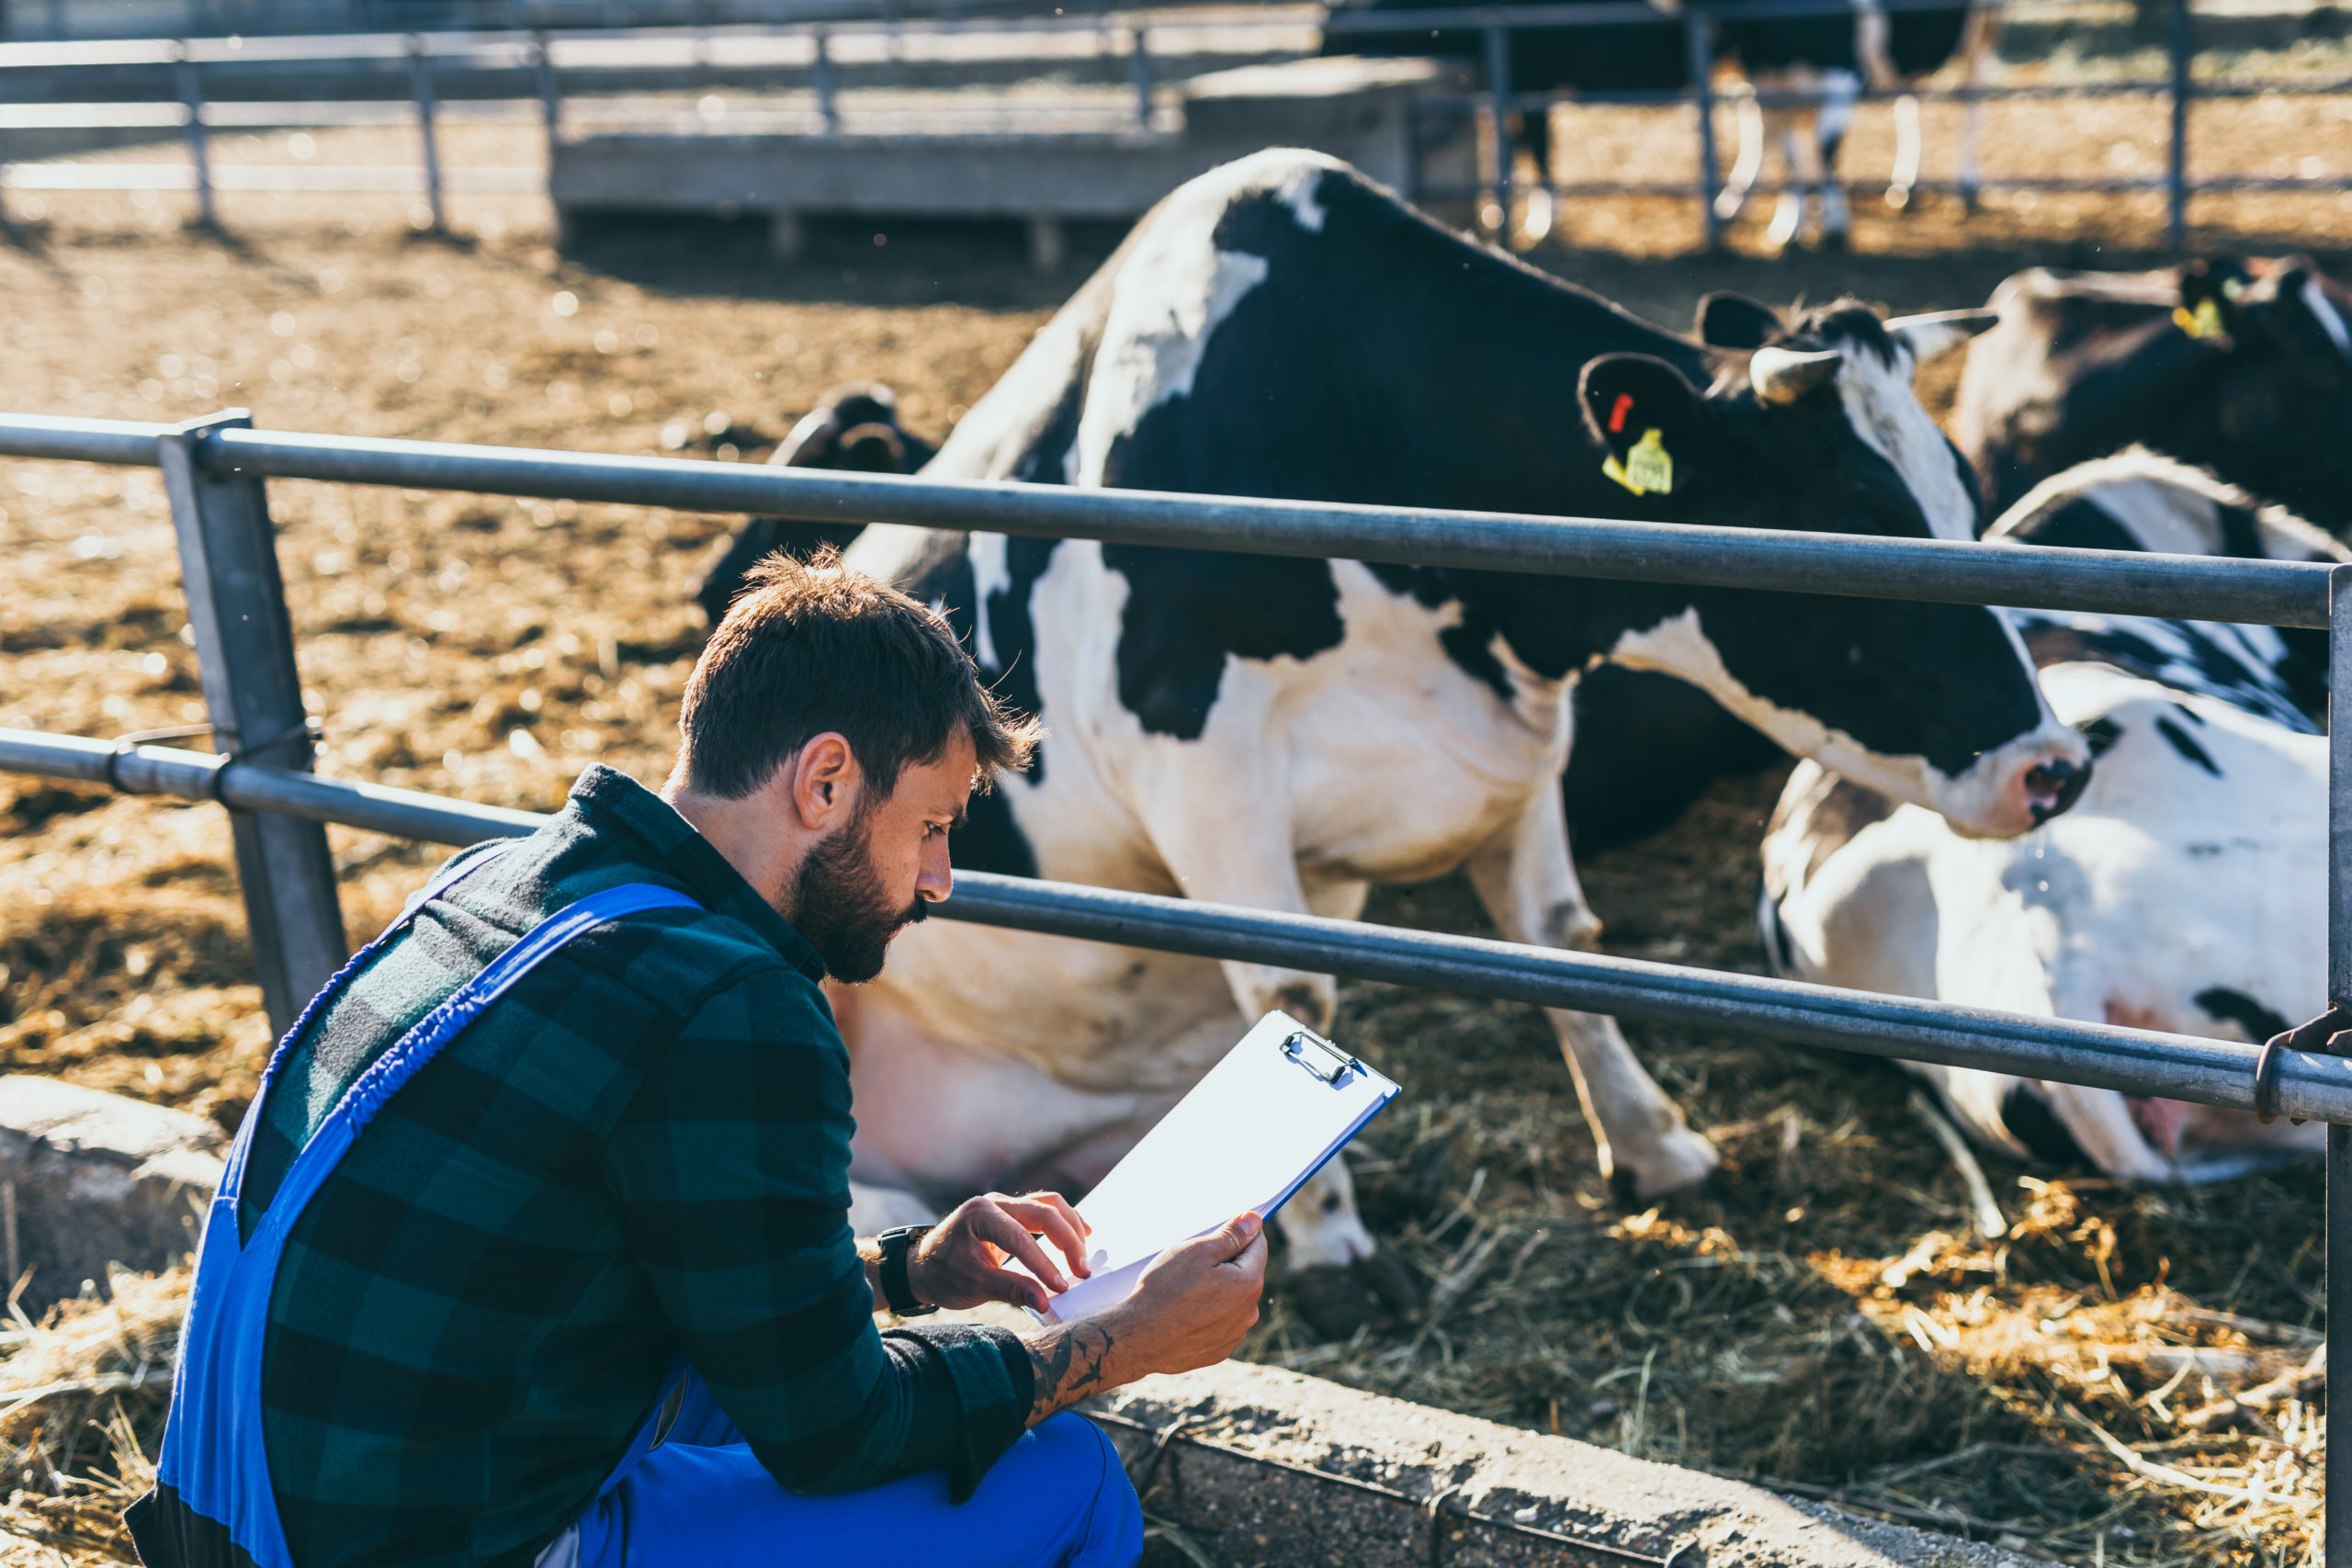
x: 900, y: 1249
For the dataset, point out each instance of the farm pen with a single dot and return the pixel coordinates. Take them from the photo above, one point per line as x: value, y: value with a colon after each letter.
x: 215, y: 470
x: 535, y: 69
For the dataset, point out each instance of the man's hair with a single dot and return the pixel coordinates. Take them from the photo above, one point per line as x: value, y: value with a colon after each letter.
x: 811, y: 647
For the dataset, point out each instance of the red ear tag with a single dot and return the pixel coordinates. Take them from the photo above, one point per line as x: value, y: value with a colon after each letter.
x: 1617, y: 414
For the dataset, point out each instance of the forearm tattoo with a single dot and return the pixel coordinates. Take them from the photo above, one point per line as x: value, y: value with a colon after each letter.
x: 1071, y: 1364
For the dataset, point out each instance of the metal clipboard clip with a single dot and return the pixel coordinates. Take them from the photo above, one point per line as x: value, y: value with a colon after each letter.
x: 1319, y: 1056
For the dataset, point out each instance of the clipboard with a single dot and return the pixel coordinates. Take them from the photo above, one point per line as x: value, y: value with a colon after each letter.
x: 1266, y: 1118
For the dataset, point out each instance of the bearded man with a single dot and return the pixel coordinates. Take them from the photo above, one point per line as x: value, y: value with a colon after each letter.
x: 534, y: 1248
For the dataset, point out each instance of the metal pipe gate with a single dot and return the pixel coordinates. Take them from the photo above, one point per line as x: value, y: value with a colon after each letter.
x: 529, y: 58
x: 215, y: 468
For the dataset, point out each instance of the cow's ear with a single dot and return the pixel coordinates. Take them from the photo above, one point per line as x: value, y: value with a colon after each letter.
x: 1733, y: 321
x: 2211, y: 289
x: 1654, y: 422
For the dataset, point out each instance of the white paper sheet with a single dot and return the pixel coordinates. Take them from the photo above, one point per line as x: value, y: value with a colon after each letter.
x: 1249, y: 1135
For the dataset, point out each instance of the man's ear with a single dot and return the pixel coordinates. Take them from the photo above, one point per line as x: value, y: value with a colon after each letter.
x: 1733, y: 321
x: 825, y: 778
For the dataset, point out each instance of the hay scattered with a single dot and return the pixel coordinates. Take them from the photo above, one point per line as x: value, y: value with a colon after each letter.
x: 2118, y: 1376
x: 82, y: 1400
x: 1826, y: 1319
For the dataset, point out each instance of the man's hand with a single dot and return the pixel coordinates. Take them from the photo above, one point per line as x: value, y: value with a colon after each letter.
x: 1190, y: 1309
x: 960, y: 1263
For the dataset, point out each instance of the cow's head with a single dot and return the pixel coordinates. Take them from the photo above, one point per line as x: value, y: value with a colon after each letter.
x: 2276, y: 341
x: 1811, y: 425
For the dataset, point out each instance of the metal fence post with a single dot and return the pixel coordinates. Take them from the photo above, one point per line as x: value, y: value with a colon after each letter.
x: 1499, y: 122
x: 1701, y: 54
x: 244, y: 647
x: 1139, y: 69
x: 2339, y: 1138
x: 828, y: 112
x: 192, y: 94
x: 2176, y: 172
x: 550, y: 92
x: 420, y: 78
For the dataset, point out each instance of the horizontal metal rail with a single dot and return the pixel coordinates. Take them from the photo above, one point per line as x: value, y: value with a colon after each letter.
x: 264, y: 177
x: 2287, y: 594
x: 2175, y: 1066
x: 2052, y: 185
x: 587, y: 48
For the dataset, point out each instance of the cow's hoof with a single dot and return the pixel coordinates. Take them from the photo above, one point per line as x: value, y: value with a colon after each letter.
x: 1681, y: 1160
x: 1338, y: 1300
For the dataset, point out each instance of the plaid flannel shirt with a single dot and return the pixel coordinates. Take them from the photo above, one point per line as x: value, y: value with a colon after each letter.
x: 636, y: 1157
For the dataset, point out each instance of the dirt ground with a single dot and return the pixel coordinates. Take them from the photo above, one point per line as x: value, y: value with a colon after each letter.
x: 1820, y: 1319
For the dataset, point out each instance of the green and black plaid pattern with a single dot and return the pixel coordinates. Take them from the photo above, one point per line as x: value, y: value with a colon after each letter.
x: 637, y: 1157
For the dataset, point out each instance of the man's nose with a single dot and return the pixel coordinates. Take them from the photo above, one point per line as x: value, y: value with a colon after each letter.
x: 937, y: 878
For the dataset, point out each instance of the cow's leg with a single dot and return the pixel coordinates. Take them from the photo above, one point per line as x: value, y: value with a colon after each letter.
x: 1829, y: 134
x: 1732, y: 201
x: 1788, y: 216
x: 1909, y: 152
x: 1978, y: 38
x: 1528, y: 884
x: 1535, y: 221
x: 1230, y: 848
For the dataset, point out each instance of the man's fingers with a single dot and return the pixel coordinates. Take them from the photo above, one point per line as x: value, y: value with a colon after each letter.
x: 1015, y: 1290
x: 1250, y: 1261
x: 1237, y: 1236
x: 1059, y: 1225
x: 1008, y: 1234
x: 1054, y: 1199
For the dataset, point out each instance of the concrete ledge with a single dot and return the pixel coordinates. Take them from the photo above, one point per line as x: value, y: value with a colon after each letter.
x: 1265, y: 1466
x: 89, y: 1179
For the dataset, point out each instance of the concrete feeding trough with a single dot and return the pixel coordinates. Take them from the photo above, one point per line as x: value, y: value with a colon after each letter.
x: 1255, y: 1464
x: 88, y: 1178
x: 1038, y: 166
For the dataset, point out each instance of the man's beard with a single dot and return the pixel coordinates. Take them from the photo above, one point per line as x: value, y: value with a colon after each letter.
x: 839, y: 907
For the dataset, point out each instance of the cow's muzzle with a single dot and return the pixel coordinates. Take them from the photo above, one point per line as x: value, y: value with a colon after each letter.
x: 2054, y: 785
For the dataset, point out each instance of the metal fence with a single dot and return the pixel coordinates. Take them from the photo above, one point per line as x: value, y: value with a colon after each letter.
x: 531, y: 58
x: 536, y: 73
x: 1700, y: 22
x: 214, y: 472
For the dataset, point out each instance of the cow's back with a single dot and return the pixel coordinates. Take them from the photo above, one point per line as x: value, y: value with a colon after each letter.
x: 2053, y: 384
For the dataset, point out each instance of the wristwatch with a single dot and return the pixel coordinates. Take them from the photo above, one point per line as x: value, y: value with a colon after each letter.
x: 897, y: 1247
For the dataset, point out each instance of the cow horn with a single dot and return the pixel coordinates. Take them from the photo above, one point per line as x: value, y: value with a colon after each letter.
x: 875, y: 430
x: 1784, y: 375
x: 800, y: 448
x: 1928, y: 335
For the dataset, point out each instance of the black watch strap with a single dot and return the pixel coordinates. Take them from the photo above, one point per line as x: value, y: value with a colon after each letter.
x: 898, y: 1245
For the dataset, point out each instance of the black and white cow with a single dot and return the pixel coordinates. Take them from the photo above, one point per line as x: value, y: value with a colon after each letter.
x: 1283, y: 733
x: 2243, y: 367
x: 1831, y: 58
x: 2186, y: 891
x: 1653, y: 744
x: 855, y: 426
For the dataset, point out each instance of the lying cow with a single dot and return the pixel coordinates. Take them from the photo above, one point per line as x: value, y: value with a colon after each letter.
x: 854, y: 427
x: 2186, y: 891
x: 2241, y: 366
x: 1283, y: 733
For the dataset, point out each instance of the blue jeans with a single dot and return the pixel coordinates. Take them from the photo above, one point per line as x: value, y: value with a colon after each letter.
x: 1058, y: 1498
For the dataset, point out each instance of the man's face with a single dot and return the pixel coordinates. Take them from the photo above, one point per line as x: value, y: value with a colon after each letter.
x: 864, y: 883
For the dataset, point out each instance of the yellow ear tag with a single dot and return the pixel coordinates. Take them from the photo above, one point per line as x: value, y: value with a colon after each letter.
x: 1647, y: 468
x: 2205, y: 322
